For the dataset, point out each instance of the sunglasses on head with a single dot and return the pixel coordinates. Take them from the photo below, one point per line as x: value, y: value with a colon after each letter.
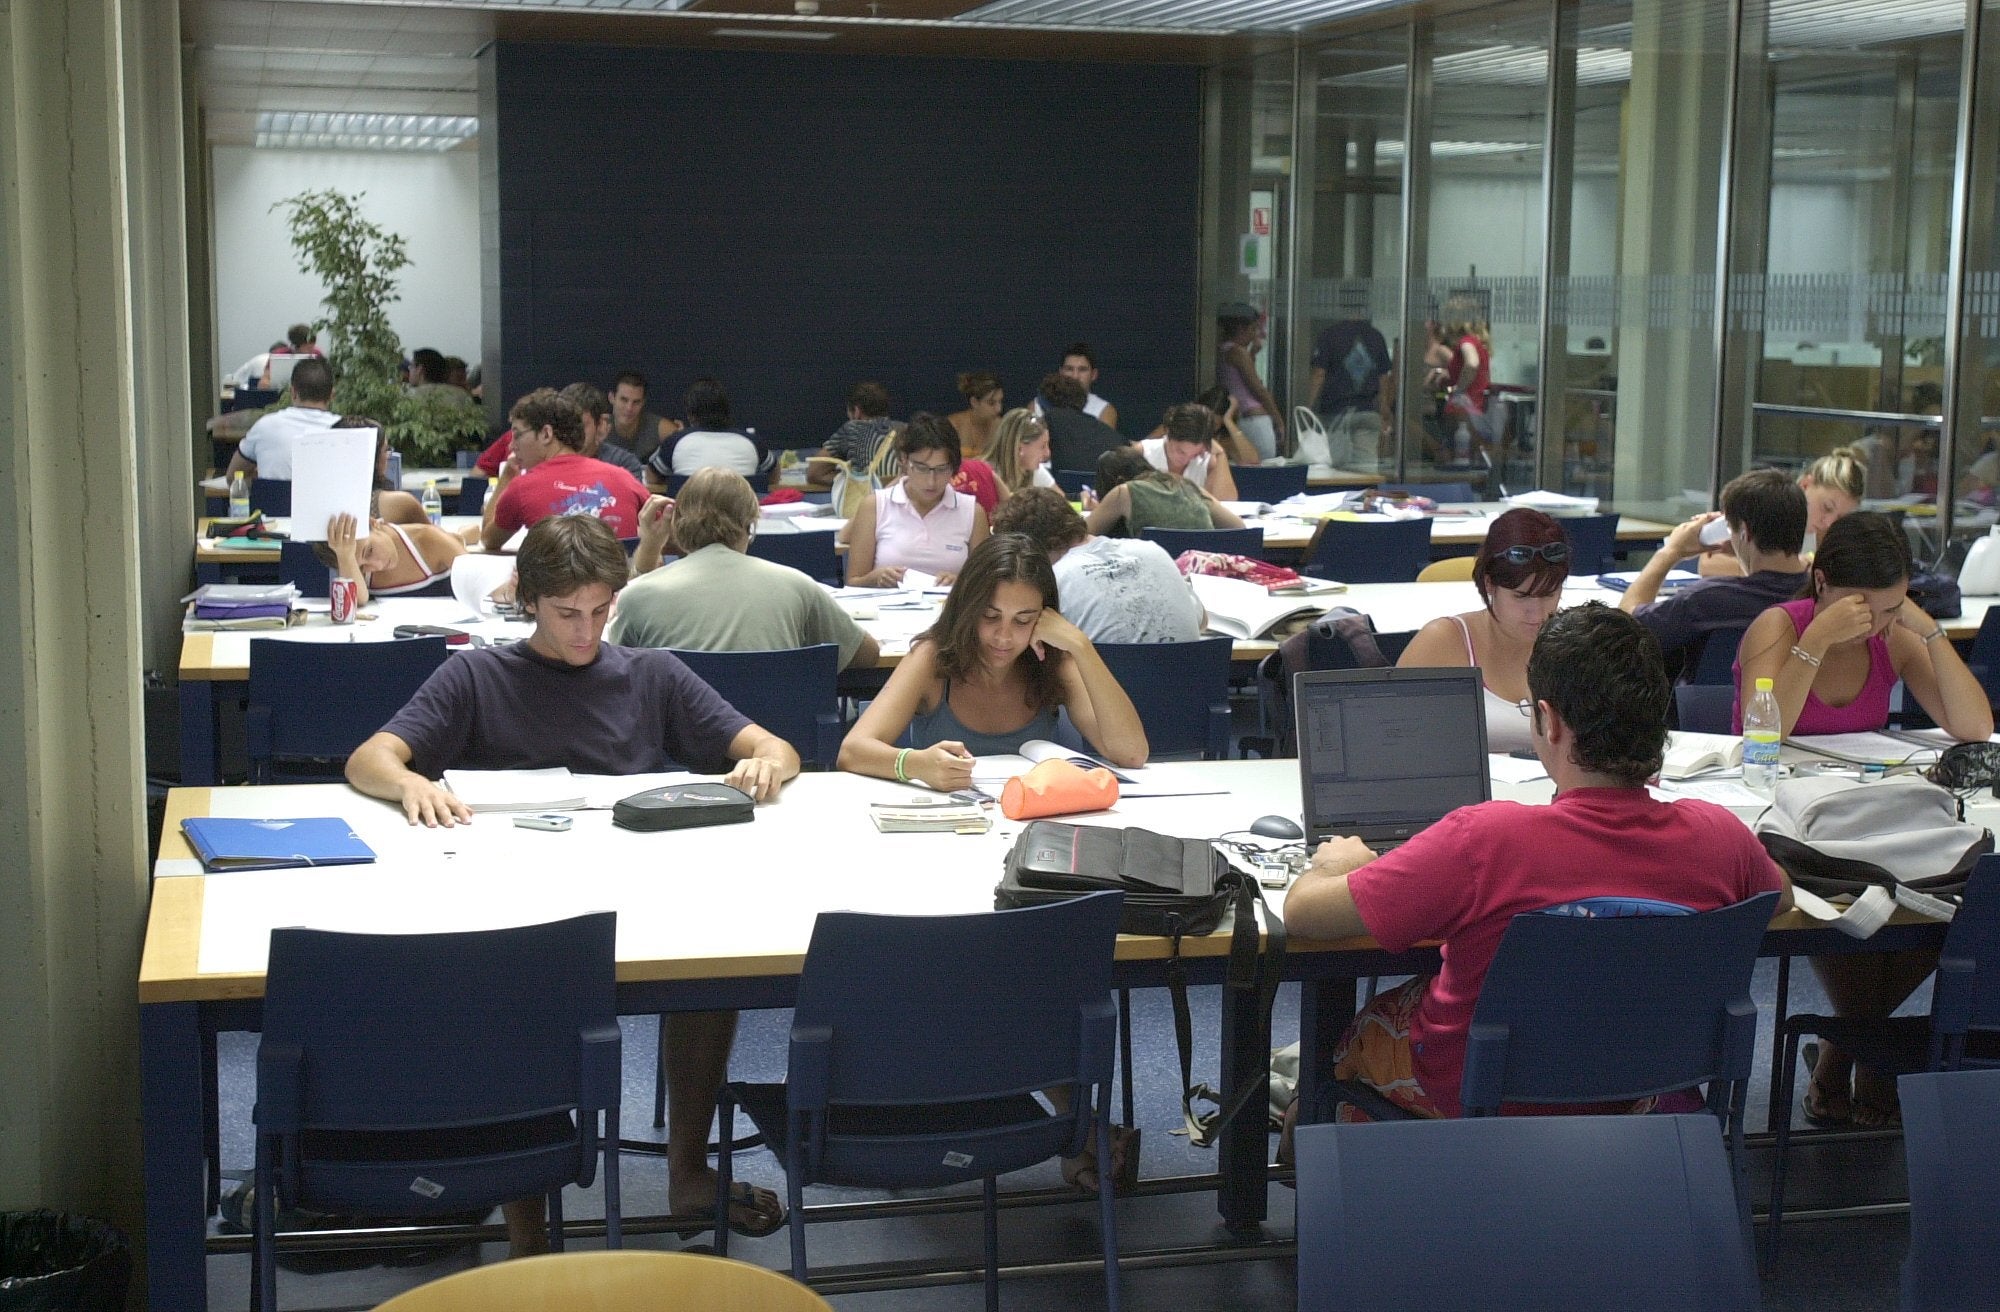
x: 1553, y: 552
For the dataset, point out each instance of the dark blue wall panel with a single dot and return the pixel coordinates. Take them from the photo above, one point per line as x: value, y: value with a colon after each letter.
x: 793, y: 223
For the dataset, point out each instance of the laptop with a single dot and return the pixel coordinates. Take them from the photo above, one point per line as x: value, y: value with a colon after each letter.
x: 1385, y: 753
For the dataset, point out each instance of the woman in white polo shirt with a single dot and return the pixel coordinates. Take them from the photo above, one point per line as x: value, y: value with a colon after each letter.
x: 1187, y: 447
x: 919, y: 522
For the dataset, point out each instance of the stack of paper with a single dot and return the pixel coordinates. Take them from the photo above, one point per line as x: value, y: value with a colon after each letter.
x: 516, y: 790
x: 240, y: 606
x: 920, y: 815
x: 1554, y: 502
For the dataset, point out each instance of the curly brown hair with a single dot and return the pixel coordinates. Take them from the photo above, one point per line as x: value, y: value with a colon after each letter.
x: 1044, y: 516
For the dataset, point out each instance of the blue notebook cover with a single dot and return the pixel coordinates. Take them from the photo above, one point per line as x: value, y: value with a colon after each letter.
x: 230, y: 844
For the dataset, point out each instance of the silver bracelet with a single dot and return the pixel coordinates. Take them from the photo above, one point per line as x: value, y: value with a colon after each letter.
x: 1806, y: 656
x: 1933, y: 635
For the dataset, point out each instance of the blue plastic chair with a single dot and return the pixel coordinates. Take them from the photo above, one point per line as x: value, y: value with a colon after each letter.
x: 272, y: 496
x: 481, y: 1062
x: 917, y: 1045
x: 298, y: 565
x: 1984, y: 658
x: 1593, y: 542
x: 1442, y: 493
x: 792, y: 692
x: 811, y: 554
x: 318, y: 701
x: 1716, y: 663
x: 1231, y: 541
x: 250, y: 398
x: 1073, y: 481
x: 1622, y: 1000
x: 1362, y: 552
x: 471, y: 495
x: 1703, y: 707
x: 1553, y: 1213
x: 1960, y: 1030
x: 1181, y: 691
x: 1272, y: 483
x: 1951, y: 1143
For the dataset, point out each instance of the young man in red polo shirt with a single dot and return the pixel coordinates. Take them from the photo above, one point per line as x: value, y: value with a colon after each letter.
x: 1599, y: 726
x: 548, y: 474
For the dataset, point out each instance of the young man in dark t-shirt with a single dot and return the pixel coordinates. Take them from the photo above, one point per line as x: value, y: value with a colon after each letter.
x: 1766, y: 513
x: 1075, y: 439
x: 563, y: 697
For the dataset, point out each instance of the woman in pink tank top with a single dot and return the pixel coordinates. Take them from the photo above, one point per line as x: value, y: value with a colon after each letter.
x: 1832, y: 657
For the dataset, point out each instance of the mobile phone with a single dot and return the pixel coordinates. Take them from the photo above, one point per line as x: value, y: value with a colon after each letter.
x: 553, y: 821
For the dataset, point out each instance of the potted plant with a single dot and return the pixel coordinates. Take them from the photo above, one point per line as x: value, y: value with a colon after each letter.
x: 358, y: 261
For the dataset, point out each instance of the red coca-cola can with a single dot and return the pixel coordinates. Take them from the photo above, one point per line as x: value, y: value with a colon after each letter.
x: 345, y: 595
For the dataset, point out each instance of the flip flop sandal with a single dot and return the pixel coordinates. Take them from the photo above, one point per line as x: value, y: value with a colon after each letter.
x: 761, y: 1222
x: 1813, y: 1101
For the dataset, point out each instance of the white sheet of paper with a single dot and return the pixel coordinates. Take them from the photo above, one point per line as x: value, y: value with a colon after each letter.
x: 916, y: 580
x: 332, y: 469
x: 1505, y: 769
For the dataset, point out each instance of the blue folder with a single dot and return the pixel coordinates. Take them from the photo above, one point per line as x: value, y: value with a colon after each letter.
x: 229, y: 844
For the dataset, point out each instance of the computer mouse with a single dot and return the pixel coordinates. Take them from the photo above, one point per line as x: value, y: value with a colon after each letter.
x: 1277, y: 826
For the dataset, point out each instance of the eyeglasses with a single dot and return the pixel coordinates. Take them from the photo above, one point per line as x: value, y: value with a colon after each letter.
x: 1553, y: 552
x: 912, y: 467
x: 1526, y: 708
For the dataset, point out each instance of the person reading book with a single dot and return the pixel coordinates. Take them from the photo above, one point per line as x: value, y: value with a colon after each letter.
x: 564, y: 697
x: 919, y: 522
x: 1832, y: 655
x: 989, y: 676
x: 1519, y: 573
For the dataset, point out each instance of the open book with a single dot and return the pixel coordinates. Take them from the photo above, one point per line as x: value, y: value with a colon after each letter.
x: 1690, y: 754
x: 991, y: 773
x: 1245, y: 610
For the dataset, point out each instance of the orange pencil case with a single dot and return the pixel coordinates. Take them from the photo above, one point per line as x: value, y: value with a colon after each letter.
x: 1058, y: 787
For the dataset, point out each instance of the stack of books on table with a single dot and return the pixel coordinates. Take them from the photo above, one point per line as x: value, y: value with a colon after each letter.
x: 240, y: 606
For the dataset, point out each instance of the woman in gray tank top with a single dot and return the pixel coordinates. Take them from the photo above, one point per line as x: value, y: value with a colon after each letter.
x: 989, y: 676
x: 1133, y: 497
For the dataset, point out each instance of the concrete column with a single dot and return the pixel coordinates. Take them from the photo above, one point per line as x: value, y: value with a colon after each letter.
x: 73, y: 894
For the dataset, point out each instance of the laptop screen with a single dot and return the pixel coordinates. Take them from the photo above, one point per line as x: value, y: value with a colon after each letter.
x: 1384, y: 753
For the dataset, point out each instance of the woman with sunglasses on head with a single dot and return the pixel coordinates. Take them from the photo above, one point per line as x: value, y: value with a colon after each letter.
x: 1832, y: 656
x: 1519, y: 573
x: 920, y: 521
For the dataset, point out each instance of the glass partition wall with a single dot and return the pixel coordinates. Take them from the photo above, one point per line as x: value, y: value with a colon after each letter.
x: 1681, y: 238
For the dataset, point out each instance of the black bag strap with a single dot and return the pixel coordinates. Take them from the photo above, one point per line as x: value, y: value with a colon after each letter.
x: 1250, y: 971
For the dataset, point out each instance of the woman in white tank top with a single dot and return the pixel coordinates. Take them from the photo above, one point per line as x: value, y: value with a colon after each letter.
x: 1519, y: 573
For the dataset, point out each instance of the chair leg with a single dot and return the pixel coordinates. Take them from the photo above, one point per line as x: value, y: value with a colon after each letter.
x: 555, y: 1220
x: 211, y: 1121
x: 264, y: 1233
x: 1781, y: 1115
x: 795, y: 1206
x: 1125, y: 1055
x: 660, y: 1078
x: 614, y: 1218
x: 1778, y: 1013
x: 1107, y: 1219
x: 725, y: 1161
x: 989, y: 1189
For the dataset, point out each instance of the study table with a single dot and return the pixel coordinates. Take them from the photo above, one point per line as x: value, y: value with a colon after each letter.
x: 683, y: 940
x: 216, y: 563
x: 215, y: 665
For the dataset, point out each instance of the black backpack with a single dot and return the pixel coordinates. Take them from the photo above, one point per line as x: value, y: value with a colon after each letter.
x: 1341, y: 639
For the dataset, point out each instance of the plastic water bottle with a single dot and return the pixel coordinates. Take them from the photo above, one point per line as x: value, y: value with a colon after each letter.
x: 433, y: 503
x: 239, y: 496
x: 1762, y: 728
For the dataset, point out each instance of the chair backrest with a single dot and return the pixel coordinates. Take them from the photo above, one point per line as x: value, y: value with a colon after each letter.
x: 791, y: 692
x: 1593, y: 539
x: 250, y: 398
x: 472, y: 494
x: 1073, y: 481
x: 411, y: 1031
x: 1984, y: 658
x: 323, y: 699
x: 908, y: 1010
x: 1717, y: 660
x: 298, y: 565
x: 1363, y: 552
x: 812, y: 554
x: 1951, y: 1143
x: 1966, y: 998
x: 1440, y: 492
x: 622, y: 1280
x: 1272, y: 483
x: 1604, y: 1008
x: 1554, y: 1213
x: 1452, y: 569
x: 1230, y: 541
x: 1703, y: 707
x: 1181, y: 691
x: 273, y: 496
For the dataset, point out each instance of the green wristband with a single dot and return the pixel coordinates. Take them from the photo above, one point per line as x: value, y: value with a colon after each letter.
x: 901, y: 757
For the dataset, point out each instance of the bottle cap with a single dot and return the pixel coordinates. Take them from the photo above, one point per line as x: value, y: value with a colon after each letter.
x: 1763, y: 685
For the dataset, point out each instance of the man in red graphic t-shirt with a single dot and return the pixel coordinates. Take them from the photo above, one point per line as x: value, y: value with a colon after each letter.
x: 547, y: 474
x: 1599, y: 721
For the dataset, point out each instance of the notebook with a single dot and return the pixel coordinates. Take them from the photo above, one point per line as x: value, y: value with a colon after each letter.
x: 225, y: 844
x: 1385, y: 753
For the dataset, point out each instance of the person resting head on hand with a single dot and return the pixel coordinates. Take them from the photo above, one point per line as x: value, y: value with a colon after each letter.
x: 1132, y: 496
x: 391, y: 559
x: 989, y: 676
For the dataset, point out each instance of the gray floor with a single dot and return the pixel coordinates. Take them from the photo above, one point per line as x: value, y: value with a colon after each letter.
x: 1827, y: 1265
